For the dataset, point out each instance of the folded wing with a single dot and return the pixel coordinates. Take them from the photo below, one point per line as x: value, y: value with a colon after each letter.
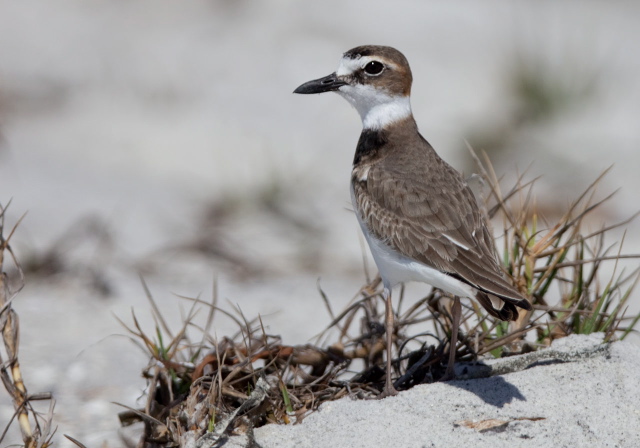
x: 437, y: 223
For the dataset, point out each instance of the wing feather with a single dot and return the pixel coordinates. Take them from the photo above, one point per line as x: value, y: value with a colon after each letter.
x: 426, y: 212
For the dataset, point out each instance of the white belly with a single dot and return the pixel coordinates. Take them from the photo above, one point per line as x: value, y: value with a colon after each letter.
x: 396, y: 268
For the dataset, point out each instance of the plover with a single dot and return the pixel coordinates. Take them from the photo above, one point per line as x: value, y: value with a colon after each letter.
x: 419, y: 216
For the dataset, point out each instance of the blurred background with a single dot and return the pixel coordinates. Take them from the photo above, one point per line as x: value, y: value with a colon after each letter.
x: 162, y: 139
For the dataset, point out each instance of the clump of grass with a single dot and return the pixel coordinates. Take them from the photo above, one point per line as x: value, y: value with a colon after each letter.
x: 562, y: 267
x: 203, y: 389
x: 36, y: 428
x: 197, y: 384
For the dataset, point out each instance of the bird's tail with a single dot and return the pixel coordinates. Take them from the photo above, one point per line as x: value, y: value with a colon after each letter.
x: 508, y: 310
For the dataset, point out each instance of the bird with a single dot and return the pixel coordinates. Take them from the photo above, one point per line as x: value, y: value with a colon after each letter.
x: 419, y: 217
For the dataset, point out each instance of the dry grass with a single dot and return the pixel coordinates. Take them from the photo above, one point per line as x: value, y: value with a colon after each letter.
x: 202, y: 389
x: 36, y: 428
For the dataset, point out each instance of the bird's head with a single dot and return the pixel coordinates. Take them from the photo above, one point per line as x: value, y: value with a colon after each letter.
x: 375, y: 79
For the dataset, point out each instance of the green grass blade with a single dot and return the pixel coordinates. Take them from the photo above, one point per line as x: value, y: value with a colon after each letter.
x: 286, y: 398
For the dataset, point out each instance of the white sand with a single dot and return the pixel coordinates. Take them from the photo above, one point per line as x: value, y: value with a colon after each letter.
x: 594, y: 402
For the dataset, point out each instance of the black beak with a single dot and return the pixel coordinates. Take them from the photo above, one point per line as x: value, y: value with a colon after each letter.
x: 326, y: 84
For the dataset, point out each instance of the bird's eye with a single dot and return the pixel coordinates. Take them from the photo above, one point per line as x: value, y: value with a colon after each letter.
x: 373, y: 68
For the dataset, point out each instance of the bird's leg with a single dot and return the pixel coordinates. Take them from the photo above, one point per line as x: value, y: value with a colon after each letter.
x: 389, y: 390
x: 456, y: 311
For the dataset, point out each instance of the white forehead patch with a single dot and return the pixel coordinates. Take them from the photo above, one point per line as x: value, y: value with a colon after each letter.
x: 348, y: 66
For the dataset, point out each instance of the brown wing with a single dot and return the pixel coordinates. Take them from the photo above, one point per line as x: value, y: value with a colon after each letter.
x: 424, y: 210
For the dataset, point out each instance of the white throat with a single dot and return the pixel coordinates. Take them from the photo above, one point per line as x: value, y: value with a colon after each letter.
x: 382, y: 115
x: 377, y: 109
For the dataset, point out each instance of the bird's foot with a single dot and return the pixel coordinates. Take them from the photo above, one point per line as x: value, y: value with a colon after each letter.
x: 388, y: 391
x: 449, y: 374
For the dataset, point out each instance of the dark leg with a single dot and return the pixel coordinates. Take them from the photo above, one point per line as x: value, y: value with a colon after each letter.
x: 389, y: 390
x: 456, y: 311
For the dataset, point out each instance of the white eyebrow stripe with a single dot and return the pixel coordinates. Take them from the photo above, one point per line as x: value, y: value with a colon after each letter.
x: 348, y: 66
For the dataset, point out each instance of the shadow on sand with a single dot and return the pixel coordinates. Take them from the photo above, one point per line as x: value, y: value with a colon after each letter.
x: 494, y: 390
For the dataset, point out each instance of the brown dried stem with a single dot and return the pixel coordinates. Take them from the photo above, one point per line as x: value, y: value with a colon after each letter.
x: 39, y: 433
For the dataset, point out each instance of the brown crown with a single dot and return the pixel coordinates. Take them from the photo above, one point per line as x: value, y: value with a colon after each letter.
x: 396, y: 79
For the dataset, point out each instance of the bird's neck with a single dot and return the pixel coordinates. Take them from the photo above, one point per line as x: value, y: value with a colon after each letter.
x: 374, y: 142
x: 384, y: 111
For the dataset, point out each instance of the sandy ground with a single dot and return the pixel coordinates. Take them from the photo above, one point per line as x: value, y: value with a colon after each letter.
x: 586, y: 402
x: 169, y: 123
